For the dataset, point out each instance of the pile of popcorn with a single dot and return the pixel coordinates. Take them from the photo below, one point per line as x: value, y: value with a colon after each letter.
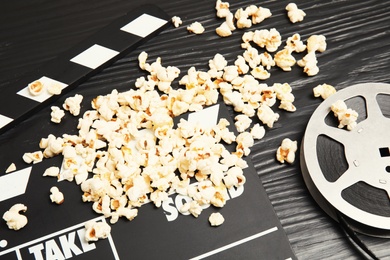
x: 128, y: 142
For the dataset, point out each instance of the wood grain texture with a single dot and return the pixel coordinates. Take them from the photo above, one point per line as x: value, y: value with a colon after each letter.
x: 358, y: 38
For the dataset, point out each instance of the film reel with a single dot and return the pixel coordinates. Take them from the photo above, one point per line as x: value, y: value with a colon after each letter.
x: 348, y: 172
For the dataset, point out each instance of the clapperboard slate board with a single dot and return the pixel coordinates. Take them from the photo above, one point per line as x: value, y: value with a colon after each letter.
x: 251, y: 229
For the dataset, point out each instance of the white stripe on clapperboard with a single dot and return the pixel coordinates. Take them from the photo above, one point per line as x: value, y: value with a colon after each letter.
x: 17, y: 248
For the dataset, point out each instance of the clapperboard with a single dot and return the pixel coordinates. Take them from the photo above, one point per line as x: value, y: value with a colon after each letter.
x: 251, y: 229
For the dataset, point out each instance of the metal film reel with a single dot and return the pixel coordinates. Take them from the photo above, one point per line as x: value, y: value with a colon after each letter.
x: 349, y: 171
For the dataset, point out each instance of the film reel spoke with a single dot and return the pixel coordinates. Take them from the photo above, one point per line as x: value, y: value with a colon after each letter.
x: 337, y: 134
x: 374, y: 111
x: 346, y: 180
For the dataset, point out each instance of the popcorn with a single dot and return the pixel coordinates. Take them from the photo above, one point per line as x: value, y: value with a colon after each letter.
x: 192, y: 207
x: 54, y: 88
x: 72, y: 104
x: 56, y: 195
x: 14, y: 219
x: 53, y: 171
x: 11, y: 168
x: 266, y: 60
x: 96, y: 230
x: 52, y: 145
x: 259, y: 14
x: 316, y: 43
x: 284, y: 60
x: 324, y: 90
x: 251, y: 55
x: 223, y: 30
x: 243, y: 122
x: 244, y: 142
x: 176, y: 21
x: 346, y: 116
x: 267, y: 116
x: 260, y: 73
x: 34, y: 157
x: 257, y: 131
x: 216, y: 219
x: 56, y: 114
x: 222, y: 8
x: 270, y: 39
x: 242, y: 18
x: 35, y: 88
x: 196, y: 28
x: 286, y: 151
x: 240, y: 63
x: 294, y: 13
x: 294, y: 43
x: 309, y: 64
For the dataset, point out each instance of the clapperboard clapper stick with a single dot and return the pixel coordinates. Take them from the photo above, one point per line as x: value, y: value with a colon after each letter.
x: 81, y: 62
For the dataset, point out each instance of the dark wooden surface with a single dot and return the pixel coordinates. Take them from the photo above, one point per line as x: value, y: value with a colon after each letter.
x: 357, y: 32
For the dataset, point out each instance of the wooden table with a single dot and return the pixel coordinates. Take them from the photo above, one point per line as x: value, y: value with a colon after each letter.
x: 358, y: 51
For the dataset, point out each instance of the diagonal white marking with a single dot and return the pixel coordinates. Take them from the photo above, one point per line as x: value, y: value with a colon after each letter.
x: 237, y: 243
x: 4, y: 120
x: 14, y: 184
x: 206, y: 118
x: 144, y: 25
x: 94, y: 56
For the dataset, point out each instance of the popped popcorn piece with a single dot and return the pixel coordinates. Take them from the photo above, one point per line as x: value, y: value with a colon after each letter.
x: 34, y: 157
x: 216, y: 219
x: 35, y: 88
x: 11, y: 168
x: 287, y: 105
x: 309, y: 64
x: 284, y: 60
x: 14, y: 219
x: 316, y: 43
x: 324, y: 90
x: 294, y: 43
x: 260, y: 73
x: 54, y: 88
x: 257, y: 131
x: 192, y: 207
x: 270, y: 39
x: 72, y: 104
x: 346, y: 116
x: 247, y: 37
x: 222, y: 8
x: 52, y: 146
x: 294, y: 13
x: 176, y: 20
x: 196, y: 28
x: 223, y: 30
x: 52, y: 171
x: 242, y: 18
x: 266, y: 60
x: 258, y: 14
x: 96, y: 230
x: 266, y: 115
x: 242, y: 123
x: 56, y: 114
x: 56, y: 195
x: 251, y: 55
x: 286, y: 151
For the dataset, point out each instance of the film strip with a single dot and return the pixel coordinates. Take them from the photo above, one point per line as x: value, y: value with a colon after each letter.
x: 81, y: 62
x: 348, y: 172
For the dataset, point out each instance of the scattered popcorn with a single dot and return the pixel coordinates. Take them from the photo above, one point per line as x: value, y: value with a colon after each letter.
x: 309, y: 64
x: 294, y: 43
x: 53, y: 171
x: 56, y: 195
x: 35, y: 88
x: 54, y: 89
x: 222, y: 8
x: 284, y: 60
x: 242, y: 18
x: 96, y: 230
x: 266, y: 60
x: 223, y: 30
x: 257, y: 131
x: 196, y: 28
x: 260, y: 73
x: 216, y: 219
x: 267, y: 116
x: 294, y: 13
x: 243, y: 122
x: 56, y: 114
x: 324, y: 90
x: 14, y: 219
x: 346, y: 116
x: 72, y: 104
x: 316, y: 43
x: 286, y: 152
x: 270, y: 39
x: 176, y: 21
x: 34, y: 157
x: 11, y: 168
x: 259, y: 14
